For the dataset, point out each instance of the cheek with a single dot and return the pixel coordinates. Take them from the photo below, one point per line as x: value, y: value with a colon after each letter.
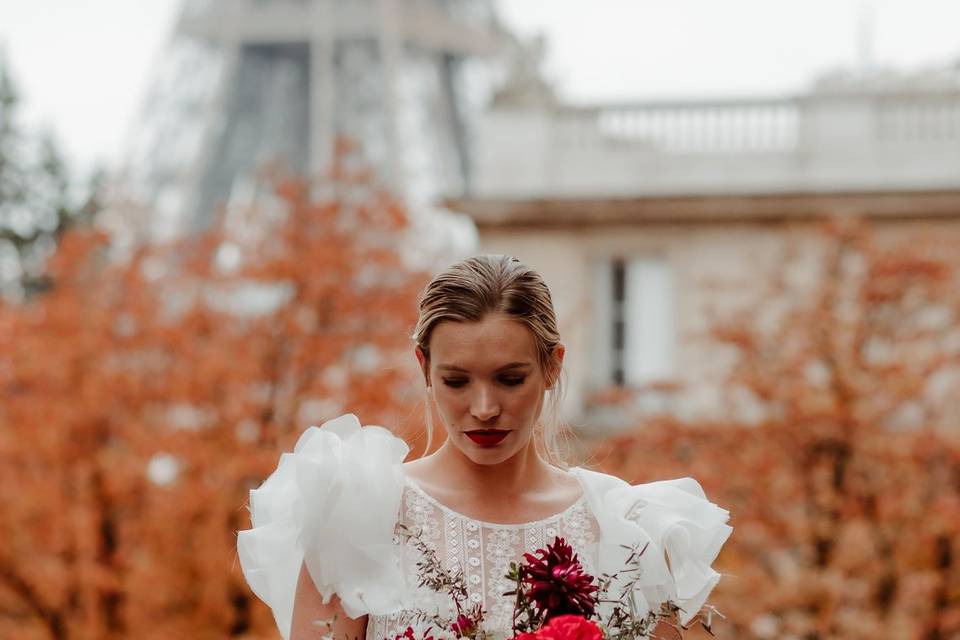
x: 523, y: 402
x: 449, y: 402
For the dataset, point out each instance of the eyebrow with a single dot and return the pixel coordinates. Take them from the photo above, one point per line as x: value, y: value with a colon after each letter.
x: 512, y: 365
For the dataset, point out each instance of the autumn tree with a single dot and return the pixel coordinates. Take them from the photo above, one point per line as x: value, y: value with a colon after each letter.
x: 146, y: 392
x: 845, y: 499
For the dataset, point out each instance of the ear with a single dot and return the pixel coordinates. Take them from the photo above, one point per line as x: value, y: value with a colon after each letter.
x: 424, y: 364
x: 556, y: 365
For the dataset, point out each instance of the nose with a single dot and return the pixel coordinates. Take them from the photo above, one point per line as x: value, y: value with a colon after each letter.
x: 484, y: 405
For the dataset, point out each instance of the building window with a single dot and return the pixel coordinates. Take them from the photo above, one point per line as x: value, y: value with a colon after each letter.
x: 633, y: 321
x: 618, y: 321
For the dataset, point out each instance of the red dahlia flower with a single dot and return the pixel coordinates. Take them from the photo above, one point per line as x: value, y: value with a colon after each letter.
x: 555, y: 581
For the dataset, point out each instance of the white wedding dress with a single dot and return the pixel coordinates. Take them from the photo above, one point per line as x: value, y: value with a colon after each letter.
x: 341, y: 500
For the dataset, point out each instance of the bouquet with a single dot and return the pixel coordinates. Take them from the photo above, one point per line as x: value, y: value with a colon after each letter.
x: 555, y: 599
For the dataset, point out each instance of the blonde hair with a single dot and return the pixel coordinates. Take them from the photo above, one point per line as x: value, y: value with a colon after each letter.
x: 470, y: 290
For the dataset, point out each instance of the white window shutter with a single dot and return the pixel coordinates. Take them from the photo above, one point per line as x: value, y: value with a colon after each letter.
x: 650, y: 321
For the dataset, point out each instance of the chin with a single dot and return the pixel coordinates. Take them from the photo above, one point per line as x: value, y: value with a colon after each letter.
x: 488, y: 456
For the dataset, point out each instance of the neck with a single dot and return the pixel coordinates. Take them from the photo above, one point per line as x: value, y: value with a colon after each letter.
x: 520, y: 473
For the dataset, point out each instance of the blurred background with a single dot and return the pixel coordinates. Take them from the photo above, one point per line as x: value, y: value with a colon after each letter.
x: 216, y: 216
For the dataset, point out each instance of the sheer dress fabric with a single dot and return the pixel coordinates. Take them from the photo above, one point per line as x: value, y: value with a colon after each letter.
x: 340, y: 501
x: 483, y: 551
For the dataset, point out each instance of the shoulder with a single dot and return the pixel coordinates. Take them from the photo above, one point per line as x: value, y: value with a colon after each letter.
x: 430, y: 477
x: 331, y: 504
x: 597, y: 483
x: 615, y: 493
x: 418, y: 468
x: 674, y: 518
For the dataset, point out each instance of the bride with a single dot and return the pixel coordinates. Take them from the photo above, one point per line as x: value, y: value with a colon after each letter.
x: 325, y: 551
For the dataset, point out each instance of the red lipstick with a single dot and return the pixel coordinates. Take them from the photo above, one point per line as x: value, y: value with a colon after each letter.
x: 487, y: 437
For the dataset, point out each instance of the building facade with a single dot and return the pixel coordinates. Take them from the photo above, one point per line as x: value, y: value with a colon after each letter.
x: 652, y: 221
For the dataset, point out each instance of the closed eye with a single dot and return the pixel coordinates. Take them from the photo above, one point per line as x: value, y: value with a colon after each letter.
x: 512, y: 381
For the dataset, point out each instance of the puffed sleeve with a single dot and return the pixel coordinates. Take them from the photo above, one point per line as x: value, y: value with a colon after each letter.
x: 332, y: 504
x: 672, y: 516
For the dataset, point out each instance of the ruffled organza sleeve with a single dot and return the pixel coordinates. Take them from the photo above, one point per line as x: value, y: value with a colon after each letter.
x: 333, y: 504
x: 670, y: 516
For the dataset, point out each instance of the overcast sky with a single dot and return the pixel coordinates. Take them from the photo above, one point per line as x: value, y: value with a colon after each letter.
x: 83, y: 65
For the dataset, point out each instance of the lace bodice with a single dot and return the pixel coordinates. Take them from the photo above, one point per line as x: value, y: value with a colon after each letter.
x: 483, y: 551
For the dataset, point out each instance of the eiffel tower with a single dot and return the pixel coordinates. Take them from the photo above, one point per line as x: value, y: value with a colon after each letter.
x: 249, y: 82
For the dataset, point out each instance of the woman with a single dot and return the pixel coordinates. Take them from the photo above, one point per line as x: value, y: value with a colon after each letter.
x: 326, y: 550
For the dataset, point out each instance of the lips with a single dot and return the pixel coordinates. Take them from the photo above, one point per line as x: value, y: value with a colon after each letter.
x: 487, y: 437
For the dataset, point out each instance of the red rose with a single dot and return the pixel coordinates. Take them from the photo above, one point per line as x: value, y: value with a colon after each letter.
x: 568, y: 628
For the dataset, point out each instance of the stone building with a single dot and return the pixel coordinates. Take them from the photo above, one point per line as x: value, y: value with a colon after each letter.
x: 650, y: 220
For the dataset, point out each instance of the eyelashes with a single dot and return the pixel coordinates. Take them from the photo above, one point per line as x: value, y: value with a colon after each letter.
x: 457, y: 383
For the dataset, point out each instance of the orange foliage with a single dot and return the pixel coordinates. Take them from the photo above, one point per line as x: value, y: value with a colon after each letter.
x: 145, y: 395
x: 845, y: 500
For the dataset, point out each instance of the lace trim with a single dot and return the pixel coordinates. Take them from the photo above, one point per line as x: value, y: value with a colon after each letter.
x: 495, y: 525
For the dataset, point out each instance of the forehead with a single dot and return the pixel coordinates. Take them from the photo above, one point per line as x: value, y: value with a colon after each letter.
x: 489, y: 343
